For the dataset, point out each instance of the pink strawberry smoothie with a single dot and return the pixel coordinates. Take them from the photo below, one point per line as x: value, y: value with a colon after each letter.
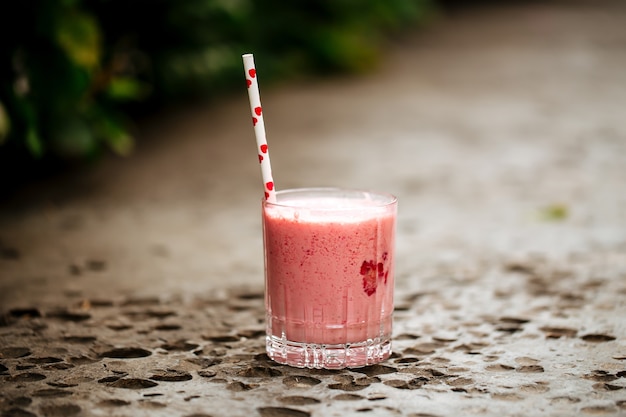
x: 329, y: 267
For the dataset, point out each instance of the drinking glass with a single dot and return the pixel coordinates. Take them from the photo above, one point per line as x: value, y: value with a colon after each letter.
x: 329, y: 276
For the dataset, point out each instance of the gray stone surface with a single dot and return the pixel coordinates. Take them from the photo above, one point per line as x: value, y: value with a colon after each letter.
x: 135, y: 288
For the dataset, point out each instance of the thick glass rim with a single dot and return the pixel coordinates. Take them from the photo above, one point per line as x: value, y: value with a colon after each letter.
x: 387, y: 199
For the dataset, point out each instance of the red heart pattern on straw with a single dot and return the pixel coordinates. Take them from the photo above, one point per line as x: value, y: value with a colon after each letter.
x: 259, y: 126
x: 263, y: 149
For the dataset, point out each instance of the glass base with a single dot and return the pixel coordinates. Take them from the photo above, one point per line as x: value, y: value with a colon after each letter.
x: 311, y: 355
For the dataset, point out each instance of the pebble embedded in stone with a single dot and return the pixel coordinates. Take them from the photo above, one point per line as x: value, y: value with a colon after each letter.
x: 168, y: 327
x: 558, y: 332
x: 60, y: 410
x: 525, y: 360
x: 208, y: 373
x: 599, y: 409
x: 51, y: 393
x: 133, y: 383
x: 350, y: 386
x: 67, y: 315
x: 204, y: 362
x: 141, y: 301
x: 597, y: 338
x: 44, y: 360
x: 9, y: 253
x: 530, y: 369
x: 80, y: 339
x: 259, y: 372
x: 20, y: 401
x: 97, y: 265
x: 170, y: 375
x: 506, y: 396
x: 298, y: 400
x: 347, y: 397
x: 239, y: 386
x: 499, y: 367
x: 225, y: 338
x: 251, y: 333
x: 300, y: 381
x: 113, y: 402
x: 375, y: 370
x: 152, y: 404
x: 13, y: 352
x: 281, y: 412
x: 601, y: 375
x: 17, y: 412
x: 180, y: 345
x: 27, y: 377
x: 126, y: 353
x: 460, y: 381
x: 535, y: 388
x: 602, y: 386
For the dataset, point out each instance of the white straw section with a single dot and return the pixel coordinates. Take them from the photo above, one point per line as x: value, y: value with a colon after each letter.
x: 259, y: 126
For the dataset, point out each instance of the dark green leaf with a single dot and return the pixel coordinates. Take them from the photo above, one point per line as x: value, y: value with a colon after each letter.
x: 126, y: 88
x: 34, y: 143
x: 120, y: 141
x: 79, y: 36
x: 72, y: 137
x: 5, y: 124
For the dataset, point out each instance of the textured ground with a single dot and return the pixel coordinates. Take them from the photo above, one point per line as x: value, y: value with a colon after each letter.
x: 136, y: 288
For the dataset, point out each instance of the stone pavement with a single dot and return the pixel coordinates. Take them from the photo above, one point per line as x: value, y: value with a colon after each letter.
x: 135, y: 288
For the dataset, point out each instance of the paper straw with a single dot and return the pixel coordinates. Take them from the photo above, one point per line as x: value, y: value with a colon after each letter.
x: 259, y: 126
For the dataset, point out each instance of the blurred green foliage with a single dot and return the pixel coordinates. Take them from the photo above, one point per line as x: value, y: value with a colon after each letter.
x: 73, y: 72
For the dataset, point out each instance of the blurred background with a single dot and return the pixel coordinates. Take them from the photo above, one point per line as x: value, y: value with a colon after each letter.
x: 76, y: 75
x: 127, y: 157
